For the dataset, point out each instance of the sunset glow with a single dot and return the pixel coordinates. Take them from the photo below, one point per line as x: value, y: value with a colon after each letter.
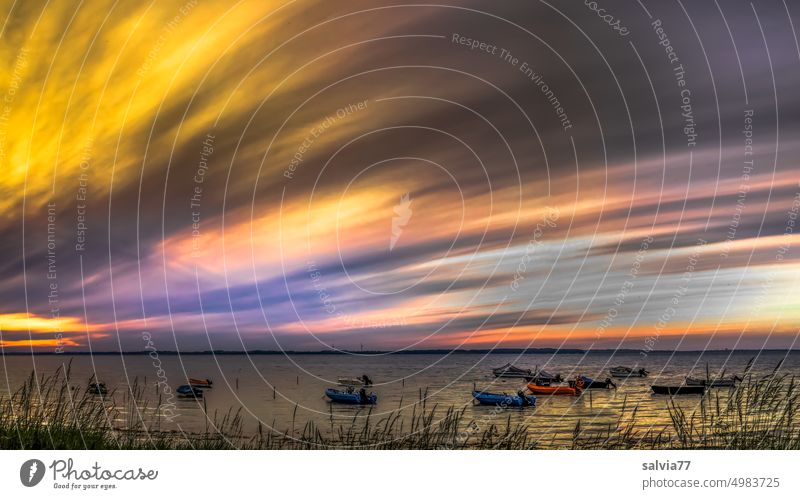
x: 265, y: 175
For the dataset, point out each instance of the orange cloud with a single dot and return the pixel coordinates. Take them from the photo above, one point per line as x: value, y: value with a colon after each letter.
x: 41, y: 324
x: 62, y: 331
x: 65, y: 342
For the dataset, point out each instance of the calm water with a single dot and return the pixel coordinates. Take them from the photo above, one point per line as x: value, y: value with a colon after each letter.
x: 299, y: 383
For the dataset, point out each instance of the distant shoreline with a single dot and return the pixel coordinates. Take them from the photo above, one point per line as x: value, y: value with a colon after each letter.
x: 497, y: 351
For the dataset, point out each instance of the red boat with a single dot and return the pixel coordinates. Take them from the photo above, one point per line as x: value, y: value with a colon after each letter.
x: 200, y: 383
x: 556, y: 390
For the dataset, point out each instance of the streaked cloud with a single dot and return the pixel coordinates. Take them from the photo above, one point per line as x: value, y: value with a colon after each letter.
x: 236, y: 169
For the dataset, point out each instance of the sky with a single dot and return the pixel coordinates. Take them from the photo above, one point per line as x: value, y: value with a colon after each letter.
x: 312, y: 175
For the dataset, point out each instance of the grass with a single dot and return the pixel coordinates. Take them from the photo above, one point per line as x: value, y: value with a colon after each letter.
x: 759, y: 413
x: 50, y: 413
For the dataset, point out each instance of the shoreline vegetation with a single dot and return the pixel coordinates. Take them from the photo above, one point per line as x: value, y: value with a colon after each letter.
x: 49, y: 413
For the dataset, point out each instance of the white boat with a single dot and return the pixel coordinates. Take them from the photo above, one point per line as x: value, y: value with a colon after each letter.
x: 627, y: 372
x: 543, y: 377
x: 714, y: 383
x: 512, y: 371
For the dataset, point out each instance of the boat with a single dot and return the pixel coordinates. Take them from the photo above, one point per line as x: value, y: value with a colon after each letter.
x: 545, y: 378
x: 351, y: 397
x: 678, y: 390
x: 189, y: 391
x: 362, y: 380
x: 627, y: 372
x: 512, y: 371
x: 589, y: 383
x: 554, y: 390
x: 714, y: 383
x: 504, y: 400
x: 200, y: 383
x: 97, y: 388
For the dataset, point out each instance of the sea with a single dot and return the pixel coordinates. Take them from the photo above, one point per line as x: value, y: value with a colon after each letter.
x: 282, y: 392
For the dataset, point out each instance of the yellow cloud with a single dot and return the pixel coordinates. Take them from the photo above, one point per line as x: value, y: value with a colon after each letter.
x: 40, y: 324
x: 84, y: 97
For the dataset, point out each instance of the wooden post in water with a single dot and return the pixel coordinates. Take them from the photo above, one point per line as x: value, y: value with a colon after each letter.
x: 237, y: 384
x: 273, y: 392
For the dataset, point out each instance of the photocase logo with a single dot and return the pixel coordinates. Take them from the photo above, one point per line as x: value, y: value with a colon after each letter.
x: 31, y: 472
x: 402, y: 212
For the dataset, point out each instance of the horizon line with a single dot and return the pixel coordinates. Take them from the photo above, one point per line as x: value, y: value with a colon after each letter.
x: 495, y: 351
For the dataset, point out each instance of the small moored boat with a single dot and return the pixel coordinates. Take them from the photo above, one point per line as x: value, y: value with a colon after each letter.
x: 543, y: 377
x: 362, y: 380
x: 512, y: 371
x: 554, y: 390
x: 504, y: 400
x: 351, y: 397
x: 589, y: 383
x: 200, y: 383
x: 189, y: 391
x: 678, y: 390
x: 627, y: 372
x: 714, y: 383
x: 97, y: 388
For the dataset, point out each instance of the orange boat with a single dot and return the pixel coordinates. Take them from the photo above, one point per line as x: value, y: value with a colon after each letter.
x: 553, y: 390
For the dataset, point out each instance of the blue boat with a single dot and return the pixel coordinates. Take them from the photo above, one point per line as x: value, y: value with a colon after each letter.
x: 189, y: 391
x: 503, y: 400
x: 351, y: 397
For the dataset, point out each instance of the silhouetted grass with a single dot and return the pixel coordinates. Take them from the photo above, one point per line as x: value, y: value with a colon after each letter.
x: 759, y: 413
x: 51, y: 413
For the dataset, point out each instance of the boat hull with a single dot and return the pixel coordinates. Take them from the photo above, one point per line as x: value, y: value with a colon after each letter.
x: 503, y: 400
x: 591, y: 384
x: 628, y: 373
x: 514, y: 376
x: 189, y: 391
x: 97, y: 389
x: 553, y: 390
x: 545, y: 378
x: 678, y: 390
x: 352, y: 382
x: 350, y: 398
x: 513, y: 372
x: 200, y: 383
x: 717, y: 383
